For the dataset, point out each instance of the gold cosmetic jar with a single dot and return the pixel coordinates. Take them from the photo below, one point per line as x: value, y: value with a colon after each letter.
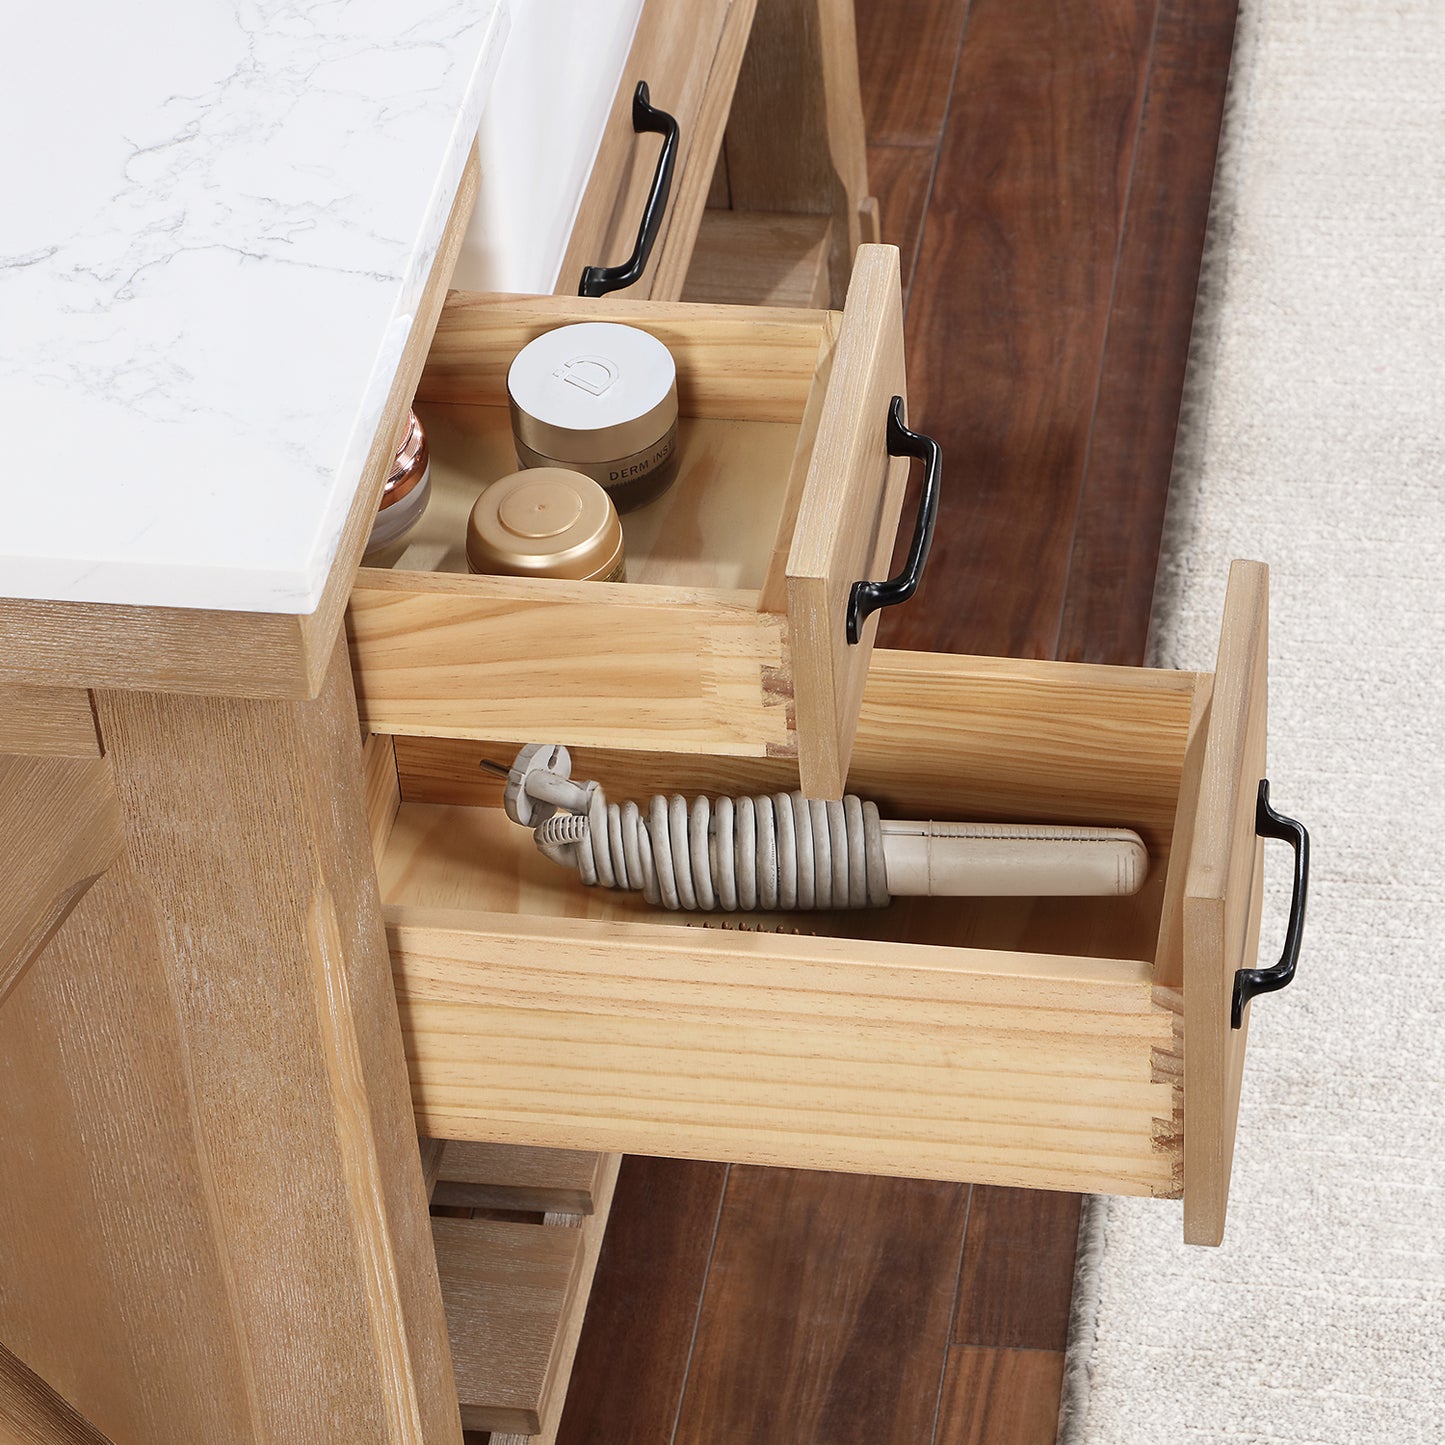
x: 546, y: 522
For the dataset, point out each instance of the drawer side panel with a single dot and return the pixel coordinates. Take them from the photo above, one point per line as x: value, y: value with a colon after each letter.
x: 802, y: 1052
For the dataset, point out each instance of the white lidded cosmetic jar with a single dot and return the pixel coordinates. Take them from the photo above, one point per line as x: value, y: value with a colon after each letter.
x: 601, y: 399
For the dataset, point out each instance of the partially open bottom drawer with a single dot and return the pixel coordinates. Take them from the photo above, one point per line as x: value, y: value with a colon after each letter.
x: 1073, y: 1043
x: 729, y: 637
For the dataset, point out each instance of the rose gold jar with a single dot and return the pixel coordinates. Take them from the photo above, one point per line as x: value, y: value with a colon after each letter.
x: 546, y: 522
x: 403, y: 499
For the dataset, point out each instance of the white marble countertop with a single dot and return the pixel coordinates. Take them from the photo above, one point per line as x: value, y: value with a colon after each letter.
x: 218, y: 221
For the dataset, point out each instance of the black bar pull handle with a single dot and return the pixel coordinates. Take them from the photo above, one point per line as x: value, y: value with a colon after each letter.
x: 599, y: 280
x: 1248, y: 982
x: 866, y: 597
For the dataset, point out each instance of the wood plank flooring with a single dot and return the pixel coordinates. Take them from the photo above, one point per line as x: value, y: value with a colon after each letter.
x: 1045, y: 167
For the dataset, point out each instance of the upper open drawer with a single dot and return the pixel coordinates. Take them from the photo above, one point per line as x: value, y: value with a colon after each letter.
x: 731, y: 635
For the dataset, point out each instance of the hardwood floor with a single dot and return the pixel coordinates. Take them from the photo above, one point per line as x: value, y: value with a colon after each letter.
x: 1121, y: 506
x: 1010, y: 307
x: 1045, y: 167
x: 637, y: 1342
x: 831, y: 1274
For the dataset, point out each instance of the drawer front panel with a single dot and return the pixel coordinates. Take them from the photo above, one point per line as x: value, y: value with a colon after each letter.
x: 847, y: 521
x: 1223, y: 899
x: 688, y: 52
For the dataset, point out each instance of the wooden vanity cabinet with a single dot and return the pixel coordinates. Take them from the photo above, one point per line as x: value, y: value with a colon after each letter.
x: 277, y: 919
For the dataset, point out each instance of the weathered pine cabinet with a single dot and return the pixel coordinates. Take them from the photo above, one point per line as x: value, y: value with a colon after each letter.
x: 266, y: 922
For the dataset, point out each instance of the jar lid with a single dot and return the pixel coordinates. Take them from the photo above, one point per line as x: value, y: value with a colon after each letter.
x: 408, y: 466
x: 592, y: 392
x: 544, y: 522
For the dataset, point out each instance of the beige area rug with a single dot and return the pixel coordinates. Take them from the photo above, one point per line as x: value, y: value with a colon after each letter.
x: 1314, y: 440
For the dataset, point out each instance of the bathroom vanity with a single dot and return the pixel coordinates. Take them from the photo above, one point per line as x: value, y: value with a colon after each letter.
x: 267, y: 923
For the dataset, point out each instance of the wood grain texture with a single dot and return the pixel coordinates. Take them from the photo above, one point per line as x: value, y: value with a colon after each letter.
x: 1169, y: 953
x: 980, y: 736
x: 431, y: 1161
x: 1141, y: 380
x: 907, y: 53
x: 505, y: 1286
x: 990, y: 1398
x: 60, y: 829
x: 732, y: 362
x: 672, y: 264
x: 999, y: 1397
x: 846, y: 521
x: 596, y: 662
x: 645, y: 1301
x: 115, y: 1286
x: 689, y: 55
x: 515, y: 1296
x: 263, y: 655
x: 1222, y: 900
x: 795, y: 138
x: 833, y: 1274
x: 383, y: 789
x: 1010, y: 307
x: 575, y: 1035
x: 53, y: 722
x: 760, y: 258
x: 712, y: 677
x: 501, y: 1176
x: 1016, y: 1281
x: 902, y: 176
x: 214, y: 1223
x: 592, y: 1228
x: 31, y: 1413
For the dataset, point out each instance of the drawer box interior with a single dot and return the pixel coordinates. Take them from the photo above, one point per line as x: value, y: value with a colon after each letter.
x: 1007, y: 1041
x: 729, y: 635
x: 1025, y: 1042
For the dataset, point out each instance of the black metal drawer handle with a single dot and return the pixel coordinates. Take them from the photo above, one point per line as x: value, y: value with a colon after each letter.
x: 866, y: 597
x: 599, y: 280
x: 1251, y: 981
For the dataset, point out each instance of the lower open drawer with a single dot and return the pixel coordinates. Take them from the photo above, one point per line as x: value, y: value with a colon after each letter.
x: 1072, y: 1043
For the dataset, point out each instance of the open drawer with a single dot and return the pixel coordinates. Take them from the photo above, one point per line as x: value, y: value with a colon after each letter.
x: 1071, y: 1043
x: 688, y: 54
x: 729, y: 638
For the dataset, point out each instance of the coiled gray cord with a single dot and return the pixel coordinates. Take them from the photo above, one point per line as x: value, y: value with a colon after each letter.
x: 770, y: 851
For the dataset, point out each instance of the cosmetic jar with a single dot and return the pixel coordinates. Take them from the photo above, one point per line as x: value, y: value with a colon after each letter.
x: 546, y: 522
x: 403, y: 499
x: 601, y: 399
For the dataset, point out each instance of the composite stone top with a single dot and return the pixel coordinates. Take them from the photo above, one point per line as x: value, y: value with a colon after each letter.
x: 219, y: 221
